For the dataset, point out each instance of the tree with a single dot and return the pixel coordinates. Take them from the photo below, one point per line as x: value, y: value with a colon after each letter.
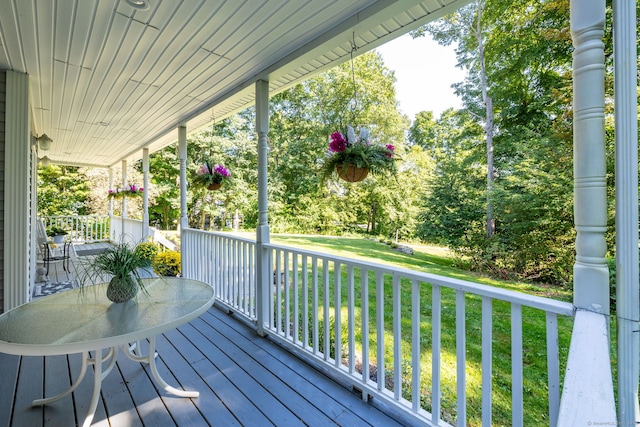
x: 62, y: 190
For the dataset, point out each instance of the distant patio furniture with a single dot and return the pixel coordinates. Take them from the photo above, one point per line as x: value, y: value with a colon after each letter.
x: 52, y: 252
x: 43, y: 327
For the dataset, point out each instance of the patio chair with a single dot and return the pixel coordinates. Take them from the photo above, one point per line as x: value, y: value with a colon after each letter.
x: 49, y: 253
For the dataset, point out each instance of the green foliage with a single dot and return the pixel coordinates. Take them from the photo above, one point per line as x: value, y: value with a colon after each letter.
x: 167, y: 263
x: 147, y: 250
x: 62, y: 190
x: 120, y: 262
x: 56, y: 231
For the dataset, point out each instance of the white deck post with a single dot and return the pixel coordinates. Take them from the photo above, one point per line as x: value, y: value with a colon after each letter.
x: 124, y: 199
x: 145, y: 195
x: 110, y: 187
x: 626, y: 132
x: 263, y: 280
x: 587, y: 396
x: 182, y: 155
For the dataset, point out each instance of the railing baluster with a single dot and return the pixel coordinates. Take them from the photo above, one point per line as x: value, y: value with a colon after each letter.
x: 397, y: 339
x: 278, y: 301
x: 416, y: 387
x: 436, y: 335
x: 295, y: 301
x: 351, y: 325
x: 337, y: 311
x: 487, y: 356
x: 305, y: 302
x: 516, y: 365
x: 553, y: 367
x: 325, y: 310
x: 364, y: 295
x: 461, y: 359
x: 380, y: 328
x: 314, y: 304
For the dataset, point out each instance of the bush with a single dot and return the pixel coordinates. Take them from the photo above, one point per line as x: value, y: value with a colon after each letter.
x: 147, y: 250
x: 167, y: 263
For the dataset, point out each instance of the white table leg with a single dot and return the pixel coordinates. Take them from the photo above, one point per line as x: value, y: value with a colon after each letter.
x: 83, y: 370
x: 97, y: 384
x: 159, y: 379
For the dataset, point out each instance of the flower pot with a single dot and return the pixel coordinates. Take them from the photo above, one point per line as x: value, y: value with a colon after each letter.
x: 351, y: 173
x: 58, y: 239
x: 214, y: 186
x: 120, y: 290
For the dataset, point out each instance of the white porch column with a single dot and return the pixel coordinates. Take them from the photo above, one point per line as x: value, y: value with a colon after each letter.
x: 263, y: 273
x: 591, y: 276
x: 587, y: 396
x: 184, y: 220
x: 16, y: 192
x: 110, y: 187
x: 145, y: 195
x: 182, y: 153
x: 124, y: 184
x: 627, y: 288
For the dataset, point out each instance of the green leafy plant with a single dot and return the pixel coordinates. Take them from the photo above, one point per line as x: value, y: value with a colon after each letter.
x: 120, y: 264
x: 208, y: 174
x: 167, y: 263
x: 147, y: 250
x: 56, y: 231
x: 360, y: 152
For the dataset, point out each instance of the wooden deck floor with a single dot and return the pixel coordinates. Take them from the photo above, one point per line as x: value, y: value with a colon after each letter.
x: 243, y: 380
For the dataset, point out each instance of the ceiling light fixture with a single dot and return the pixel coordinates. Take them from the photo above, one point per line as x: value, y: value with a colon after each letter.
x: 45, y: 161
x: 44, y: 142
x: 138, y: 4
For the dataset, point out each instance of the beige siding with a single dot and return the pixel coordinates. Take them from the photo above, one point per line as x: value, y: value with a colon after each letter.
x: 3, y: 88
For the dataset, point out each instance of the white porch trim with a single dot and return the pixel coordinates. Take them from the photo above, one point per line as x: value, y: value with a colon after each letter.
x: 17, y: 191
x: 263, y: 272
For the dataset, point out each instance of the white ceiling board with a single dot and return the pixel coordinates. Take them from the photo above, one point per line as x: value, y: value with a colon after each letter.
x: 107, y: 80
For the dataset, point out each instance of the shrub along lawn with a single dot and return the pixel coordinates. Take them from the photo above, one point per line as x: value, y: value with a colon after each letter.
x: 436, y: 260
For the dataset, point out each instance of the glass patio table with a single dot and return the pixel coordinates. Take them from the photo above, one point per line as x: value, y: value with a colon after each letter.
x: 83, y: 320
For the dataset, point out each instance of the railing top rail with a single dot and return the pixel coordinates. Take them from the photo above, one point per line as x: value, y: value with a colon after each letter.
x: 542, y: 303
x: 225, y: 235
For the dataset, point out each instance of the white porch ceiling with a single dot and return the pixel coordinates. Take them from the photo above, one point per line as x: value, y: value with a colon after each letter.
x: 107, y: 79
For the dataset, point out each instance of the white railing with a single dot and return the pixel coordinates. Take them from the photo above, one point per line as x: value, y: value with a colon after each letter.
x: 132, y: 230
x: 226, y: 263
x: 398, y: 335
x: 81, y: 228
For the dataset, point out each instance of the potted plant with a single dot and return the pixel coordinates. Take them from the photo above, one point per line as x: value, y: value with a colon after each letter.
x: 57, y: 234
x: 127, y: 191
x: 211, y: 177
x: 121, y: 265
x: 352, y: 158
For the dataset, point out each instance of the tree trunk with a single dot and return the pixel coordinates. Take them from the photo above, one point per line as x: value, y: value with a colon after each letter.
x: 488, y: 127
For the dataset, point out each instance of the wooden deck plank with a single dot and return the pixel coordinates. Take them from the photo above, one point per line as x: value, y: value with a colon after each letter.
x: 56, y: 381
x: 238, y: 403
x: 119, y: 406
x: 30, y: 386
x: 248, y: 354
x: 9, y: 365
x: 143, y: 393
x: 350, y: 405
x: 243, y: 380
x: 208, y: 403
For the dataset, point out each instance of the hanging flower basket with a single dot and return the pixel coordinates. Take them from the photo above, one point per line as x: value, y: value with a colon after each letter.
x: 354, y: 157
x: 351, y: 173
x: 211, y: 176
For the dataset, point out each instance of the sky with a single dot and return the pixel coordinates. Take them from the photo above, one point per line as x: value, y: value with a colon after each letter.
x: 424, y: 72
